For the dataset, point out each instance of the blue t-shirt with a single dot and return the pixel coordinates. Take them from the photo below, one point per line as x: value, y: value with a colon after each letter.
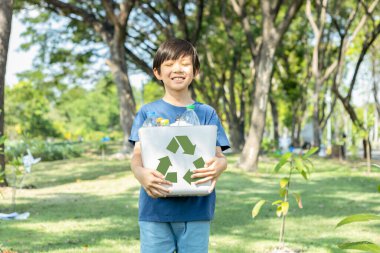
x: 177, y: 209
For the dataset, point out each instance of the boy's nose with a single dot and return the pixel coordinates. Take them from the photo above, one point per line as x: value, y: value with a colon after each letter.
x: 177, y: 68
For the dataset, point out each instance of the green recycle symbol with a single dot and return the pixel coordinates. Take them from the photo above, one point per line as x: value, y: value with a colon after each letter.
x: 189, y: 149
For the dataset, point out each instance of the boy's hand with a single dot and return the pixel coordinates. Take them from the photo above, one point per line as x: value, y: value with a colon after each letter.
x: 152, y: 180
x: 153, y: 183
x: 212, y: 170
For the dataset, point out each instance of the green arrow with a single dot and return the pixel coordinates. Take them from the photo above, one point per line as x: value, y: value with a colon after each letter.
x: 172, y: 177
x: 186, y: 145
x: 187, y: 177
x: 164, y: 165
x: 199, y: 163
x: 173, y: 146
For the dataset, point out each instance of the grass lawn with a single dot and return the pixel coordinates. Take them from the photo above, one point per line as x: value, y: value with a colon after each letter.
x: 89, y: 205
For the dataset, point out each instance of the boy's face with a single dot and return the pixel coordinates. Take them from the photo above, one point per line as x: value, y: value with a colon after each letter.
x: 176, y: 75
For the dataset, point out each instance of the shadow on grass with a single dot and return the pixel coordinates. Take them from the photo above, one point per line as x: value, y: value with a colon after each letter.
x: 56, y: 173
x: 86, y: 221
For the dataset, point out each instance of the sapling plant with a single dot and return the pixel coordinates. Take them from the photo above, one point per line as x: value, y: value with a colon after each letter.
x: 103, y: 146
x: 17, y: 176
x: 297, y: 164
x: 2, y: 172
x: 19, y: 168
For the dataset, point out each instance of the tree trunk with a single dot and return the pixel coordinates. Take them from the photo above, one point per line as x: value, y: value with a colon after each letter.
x: 294, y: 122
x: 127, y: 104
x: 274, y: 111
x: 367, y: 148
x: 5, y: 31
x: 250, y: 155
x: 316, y: 127
x: 236, y: 136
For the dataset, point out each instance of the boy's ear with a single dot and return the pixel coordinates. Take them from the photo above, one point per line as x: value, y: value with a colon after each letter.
x: 196, y: 75
x: 157, y: 74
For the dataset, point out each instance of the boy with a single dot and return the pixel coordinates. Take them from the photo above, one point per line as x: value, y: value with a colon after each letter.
x: 176, y: 224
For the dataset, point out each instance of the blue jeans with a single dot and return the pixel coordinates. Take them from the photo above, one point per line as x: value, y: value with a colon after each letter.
x: 169, y: 237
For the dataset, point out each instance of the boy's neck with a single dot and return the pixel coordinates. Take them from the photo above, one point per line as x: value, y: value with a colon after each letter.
x: 178, y: 98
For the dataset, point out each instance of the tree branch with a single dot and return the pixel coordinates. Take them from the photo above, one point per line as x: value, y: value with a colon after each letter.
x: 125, y: 11
x: 139, y: 62
x: 180, y: 16
x: 198, y: 24
x: 240, y: 11
x: 290, y: 13
x: 276, y: 9
x: 67, y: 9
x: 309, y: 16
x: 108, y: 6
x: 366, y: 45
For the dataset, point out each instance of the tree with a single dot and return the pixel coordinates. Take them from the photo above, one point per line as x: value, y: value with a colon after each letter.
x: 291, y: 81
x: 103, y: 22
x: 321, y: 69
x: 222, y: 81
x: 263, y: 54
x: 28, y: 110
x: 370, y: 35
x: 6, y: 11
x: 375, y: 75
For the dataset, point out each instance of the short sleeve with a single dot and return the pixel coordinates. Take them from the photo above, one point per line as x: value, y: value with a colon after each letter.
x: 137, y: 123
x: 221, y: 138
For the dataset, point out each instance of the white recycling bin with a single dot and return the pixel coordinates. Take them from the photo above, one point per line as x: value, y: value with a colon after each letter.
x: 176, y: 151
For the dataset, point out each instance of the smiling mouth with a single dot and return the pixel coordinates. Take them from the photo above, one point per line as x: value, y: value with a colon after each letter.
x: 178, y: 78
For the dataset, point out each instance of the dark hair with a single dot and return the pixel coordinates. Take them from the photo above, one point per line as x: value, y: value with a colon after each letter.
x: 174, y: 49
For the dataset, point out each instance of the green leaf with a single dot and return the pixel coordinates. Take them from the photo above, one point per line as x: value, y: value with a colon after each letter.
x: 304, y: 174
x: 284, y: 182
x: 277, y: 202
x: 283, y: 192
x: 358, y: 218
x: 378, y: 188
x: 309, y: 164
x: 310, y: 152
x: 256, y: 209
x: 298, y: 199
x: 284, y: 159
x: 279, y: 211
x: 363, y: 246
x: 299, y: 164
x: 285, y: 207
x: 3, y: 139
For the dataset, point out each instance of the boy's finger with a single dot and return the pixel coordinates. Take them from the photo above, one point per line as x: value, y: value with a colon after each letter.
x: 203, y: 180
x: 161, y: 181
x: 212, y: 187
x: 158, y: 194
x: 209, y: 162
x: 201, y: 170
x: 151, y: 194
x: 162, y: 189
x: 157, y: 174
x: 206, y: 174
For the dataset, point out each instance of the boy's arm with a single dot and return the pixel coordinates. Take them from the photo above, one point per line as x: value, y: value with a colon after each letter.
x: 212, y: 170
x: 151, y: 180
